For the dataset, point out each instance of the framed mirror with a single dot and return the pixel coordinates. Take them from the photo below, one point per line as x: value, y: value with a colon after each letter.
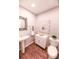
x: 22, y: 23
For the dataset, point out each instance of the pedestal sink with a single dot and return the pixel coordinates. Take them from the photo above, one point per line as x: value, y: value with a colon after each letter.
x: 21, y: 39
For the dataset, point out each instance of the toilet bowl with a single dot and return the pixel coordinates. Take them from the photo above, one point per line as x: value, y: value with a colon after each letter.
x: 52, y: 50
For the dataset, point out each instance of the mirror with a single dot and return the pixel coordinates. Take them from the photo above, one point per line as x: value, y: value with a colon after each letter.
x: 22, y: 23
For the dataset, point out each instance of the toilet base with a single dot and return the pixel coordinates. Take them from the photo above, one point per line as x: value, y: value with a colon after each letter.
x: 52, y: 52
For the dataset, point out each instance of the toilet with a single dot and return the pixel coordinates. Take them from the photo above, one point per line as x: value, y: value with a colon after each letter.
x: 52, y: 50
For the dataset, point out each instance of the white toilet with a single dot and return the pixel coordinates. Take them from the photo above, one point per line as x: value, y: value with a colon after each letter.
x: 52, y: 50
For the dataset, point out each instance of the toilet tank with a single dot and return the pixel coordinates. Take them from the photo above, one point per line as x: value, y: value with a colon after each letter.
x: 54, y: 42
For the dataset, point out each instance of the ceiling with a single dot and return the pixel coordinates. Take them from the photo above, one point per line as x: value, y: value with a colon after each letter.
x: 38, y: 6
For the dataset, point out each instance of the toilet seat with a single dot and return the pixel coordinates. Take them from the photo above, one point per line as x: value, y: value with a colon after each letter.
x: 52, y: 51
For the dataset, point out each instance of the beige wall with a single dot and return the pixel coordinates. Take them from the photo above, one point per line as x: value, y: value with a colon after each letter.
x: 44, y: 19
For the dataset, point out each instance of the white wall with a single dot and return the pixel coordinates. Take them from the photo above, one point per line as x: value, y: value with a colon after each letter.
x: 43, y: 20
x: 30, y: 20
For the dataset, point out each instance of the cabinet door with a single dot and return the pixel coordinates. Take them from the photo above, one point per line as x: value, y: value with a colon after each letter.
x: 41, y: 42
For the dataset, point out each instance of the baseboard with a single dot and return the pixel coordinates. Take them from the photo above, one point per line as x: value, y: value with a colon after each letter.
x: 29, y: 44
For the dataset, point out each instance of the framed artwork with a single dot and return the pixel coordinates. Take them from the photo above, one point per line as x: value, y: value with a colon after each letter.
x: 44, y: 28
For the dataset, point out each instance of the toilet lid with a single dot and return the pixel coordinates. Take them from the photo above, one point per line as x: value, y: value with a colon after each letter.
x: 52, y: 51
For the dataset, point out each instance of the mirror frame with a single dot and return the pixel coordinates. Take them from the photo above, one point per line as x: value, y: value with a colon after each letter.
x: 25, y: 19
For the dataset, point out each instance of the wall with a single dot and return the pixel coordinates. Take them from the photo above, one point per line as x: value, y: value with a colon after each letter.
x: 30, y: 20
x: 49, y: 19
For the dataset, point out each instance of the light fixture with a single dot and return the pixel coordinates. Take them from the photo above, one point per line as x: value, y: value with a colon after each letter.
x: 33, y: 5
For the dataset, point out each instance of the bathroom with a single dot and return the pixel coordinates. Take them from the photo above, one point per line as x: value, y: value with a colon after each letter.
x: 38, y: 29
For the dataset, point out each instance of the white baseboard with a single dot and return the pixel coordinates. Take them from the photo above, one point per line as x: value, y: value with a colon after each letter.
x: 29, y: 44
